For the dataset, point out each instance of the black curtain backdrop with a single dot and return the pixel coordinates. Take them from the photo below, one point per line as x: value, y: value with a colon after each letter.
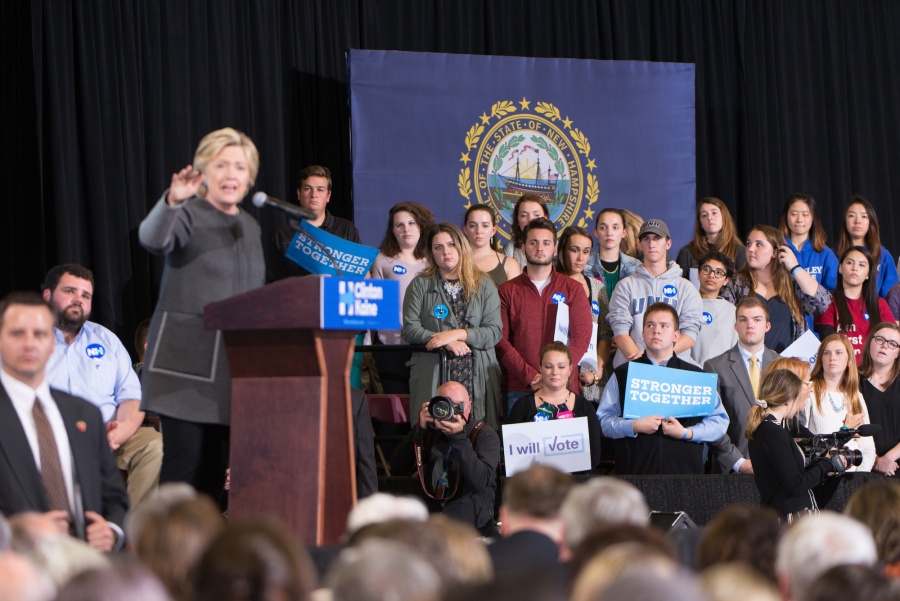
x: 103, y: 99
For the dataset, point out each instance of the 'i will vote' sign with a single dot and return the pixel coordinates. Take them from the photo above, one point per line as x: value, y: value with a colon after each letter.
x: 656, y: 390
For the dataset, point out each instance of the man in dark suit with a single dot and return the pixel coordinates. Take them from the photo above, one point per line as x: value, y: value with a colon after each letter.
x: 738, y: 392
x: 54, y: 457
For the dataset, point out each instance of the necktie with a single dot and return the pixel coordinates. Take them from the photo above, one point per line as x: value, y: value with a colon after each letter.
x: 51, y: 468
x: 754, y: 375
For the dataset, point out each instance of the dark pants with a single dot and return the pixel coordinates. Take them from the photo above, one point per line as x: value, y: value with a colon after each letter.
x: 197, y: 454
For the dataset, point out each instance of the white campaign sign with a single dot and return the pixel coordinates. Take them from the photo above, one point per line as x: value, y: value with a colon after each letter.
x: 561, y: 334
x: 804, y: 348
x: 559, y: 443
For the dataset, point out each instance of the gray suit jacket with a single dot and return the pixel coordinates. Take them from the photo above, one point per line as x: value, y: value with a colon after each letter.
x: 737, y: 397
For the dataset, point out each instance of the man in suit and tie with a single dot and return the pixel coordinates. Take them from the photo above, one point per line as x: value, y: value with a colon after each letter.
x: 739, y: 370
x: 54, y: 457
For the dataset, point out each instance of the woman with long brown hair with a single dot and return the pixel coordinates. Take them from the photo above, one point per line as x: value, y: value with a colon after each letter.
x: 861, y: 228
x: 714, y: 230
x: 774, y: 274
x: 880, y: 385
x: 528, y: 207
x: 480, y: 226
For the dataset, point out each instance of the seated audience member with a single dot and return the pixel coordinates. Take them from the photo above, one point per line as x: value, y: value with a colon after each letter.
x: 745, y: 534
x: 855, y: 305
x: 313, y: 193
x: 467, y: 550
x: 635, y: 572
x: 382, y: 507
x: 835, y: 400
x: 853, y: 582
x: 453, y: 308
x: 657, y: 444
x: 655, y: 280
x: 740, y: 370
x: 774, y: 274
x: 736, y: 581
x: 519, y: 585
x: 880, y: 386
x: 158, y: 502
x: 714, y: 231
x: 172, y: 540
x: 877, y: 505
x: 860, y: 228
x: 21, y: 580
x: 378, y: 570
x: 601, y: 502
x: 480, y: 226
x: 254, y: 559
x: 553, y: 400
x: 603, y: 538
x: 531, y: 527
x: 528, y: 208
x: 610, y: 263
x: 124, y: 579
x: 459, y: 459
x: 816, y: 543
x: 717, y: 333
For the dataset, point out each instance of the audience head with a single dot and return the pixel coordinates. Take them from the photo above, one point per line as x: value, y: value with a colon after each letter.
x: 714, y: 229
x: 603, y: 538
x: 157, y: 502
x: 575, y: 246
x: 878, y: 353
x: 852, y: 581
x: 528, y: 208
x: 635, y: 572
x: 314, y: 188
x: 736, y: 581
x: 480, y: 225
x: 610, y: 229
x: 214, y: 143
x: 254, y: 559
x: 377, y: 570
x: 798, y: 367
x: 800, y: 217
x: 742, y: 533
x: 532, y: 500
x: 860, y: 228
x: 836, y: 358
x: 449, y: 255
x: 817, y: 542
x: 763, y: 243
x: 715, y: 271
x: 21, y: 580
x: 124, y: 579
x: 654, y: 241
x: 407, y: 226
x: 382, y: 507
x: 539, y: 241
x: 469, y: 554
x: 602, y: 502
x: 751, y: 321
x: 877, y: 505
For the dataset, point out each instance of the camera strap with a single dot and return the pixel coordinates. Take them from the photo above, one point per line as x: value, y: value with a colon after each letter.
x: 442, y: 492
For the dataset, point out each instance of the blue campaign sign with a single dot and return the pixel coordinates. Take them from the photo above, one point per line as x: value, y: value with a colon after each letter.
x: 354, y: 260
x: 656, y: 390
x: 360, y: 304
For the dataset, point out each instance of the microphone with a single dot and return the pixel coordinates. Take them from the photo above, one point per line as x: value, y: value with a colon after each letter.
x: 261, y: 199
x: 869, y: 430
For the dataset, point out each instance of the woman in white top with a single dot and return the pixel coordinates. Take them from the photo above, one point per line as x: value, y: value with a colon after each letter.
x: 835, y: 400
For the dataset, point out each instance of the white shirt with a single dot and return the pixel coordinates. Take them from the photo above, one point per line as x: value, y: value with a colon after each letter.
x: 22, y: 396
x: 830, y: 420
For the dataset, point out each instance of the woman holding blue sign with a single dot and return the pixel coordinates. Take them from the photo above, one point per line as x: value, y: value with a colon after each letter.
x: 453, y: 308
x: 554, y: 400
x: 212, y: 251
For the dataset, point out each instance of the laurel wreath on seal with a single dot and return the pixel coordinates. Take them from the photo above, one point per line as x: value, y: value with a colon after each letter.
x: 505, y: 107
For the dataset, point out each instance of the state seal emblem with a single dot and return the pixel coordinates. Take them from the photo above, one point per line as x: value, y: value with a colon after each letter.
x: 517, y: 150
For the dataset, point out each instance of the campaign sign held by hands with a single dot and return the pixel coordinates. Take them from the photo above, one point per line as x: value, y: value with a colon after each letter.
x: 656, y: 390
x: 559, y: 443
x: 354, y: 260
x: 360, y: 304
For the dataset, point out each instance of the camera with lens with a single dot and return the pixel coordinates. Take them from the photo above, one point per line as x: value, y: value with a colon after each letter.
x: 442, y: 408
x: 831, y: 446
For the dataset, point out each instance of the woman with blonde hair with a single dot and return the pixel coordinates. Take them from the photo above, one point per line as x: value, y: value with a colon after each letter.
x: 784, y: 480
x: 453, y: 307
x: 714, y: 230
x: 212, y: 251
x: 773, y: 273
x: 835, y: 401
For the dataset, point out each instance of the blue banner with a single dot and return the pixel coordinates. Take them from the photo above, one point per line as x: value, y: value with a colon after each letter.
x: 360, y: 304
x: 354, y: 260
x: 656, y: 390
x: 449, y: 131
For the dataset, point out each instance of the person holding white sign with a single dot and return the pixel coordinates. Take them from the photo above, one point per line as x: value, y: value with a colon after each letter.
x: 554, y: 400
x: 657, y: 444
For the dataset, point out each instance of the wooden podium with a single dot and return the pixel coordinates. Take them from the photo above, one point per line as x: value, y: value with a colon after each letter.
x: 292, y: 453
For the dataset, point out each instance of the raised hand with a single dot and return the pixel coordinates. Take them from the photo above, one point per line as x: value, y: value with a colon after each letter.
x: 184, y: 185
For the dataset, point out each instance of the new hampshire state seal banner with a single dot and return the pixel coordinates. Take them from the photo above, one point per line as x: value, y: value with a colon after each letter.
x: 451, y: 130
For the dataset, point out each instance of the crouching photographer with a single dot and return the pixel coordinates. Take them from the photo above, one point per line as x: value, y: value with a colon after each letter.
x: 783, y: 475
x: 453, y: 461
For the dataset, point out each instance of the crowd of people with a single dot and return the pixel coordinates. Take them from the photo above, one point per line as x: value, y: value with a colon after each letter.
x: 545, y: 328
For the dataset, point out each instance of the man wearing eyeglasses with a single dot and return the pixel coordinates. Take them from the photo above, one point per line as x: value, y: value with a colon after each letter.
x: 740, y: 372
x: 717, y: 333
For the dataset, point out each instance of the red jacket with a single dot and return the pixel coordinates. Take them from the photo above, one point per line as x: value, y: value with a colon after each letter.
x: 529, y: 321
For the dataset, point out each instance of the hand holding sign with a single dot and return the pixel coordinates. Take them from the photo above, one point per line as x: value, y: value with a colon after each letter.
x: 647, y: 425
x: 673, y: 429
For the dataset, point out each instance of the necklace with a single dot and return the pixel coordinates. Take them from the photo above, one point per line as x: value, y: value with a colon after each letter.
x: 452, y: 288
x: 834, y: 405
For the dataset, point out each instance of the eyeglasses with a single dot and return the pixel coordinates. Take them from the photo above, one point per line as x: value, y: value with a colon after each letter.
x: 891, y: 344
x: 719, y: 273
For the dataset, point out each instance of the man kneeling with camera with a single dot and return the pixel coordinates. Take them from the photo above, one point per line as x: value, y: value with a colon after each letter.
x: 454, y: 458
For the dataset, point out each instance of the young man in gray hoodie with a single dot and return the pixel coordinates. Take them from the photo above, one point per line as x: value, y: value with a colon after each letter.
x: 653, y: 281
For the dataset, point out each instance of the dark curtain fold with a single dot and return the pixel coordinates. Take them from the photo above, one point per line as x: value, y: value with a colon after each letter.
x: 104, y: 99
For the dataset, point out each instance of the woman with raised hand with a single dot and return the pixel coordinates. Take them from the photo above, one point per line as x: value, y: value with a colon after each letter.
x: 855, y: 304
x: 528, y: 207
x: 574, y: 252
x: 805, y: 236
x: 453, y: 306
x: 774, y: 274
x: 880, y: 385
x: 554, y: 400
x: 835, y: 401
x: 861, y: 229
x: 212, y: 251
x: 714, y: 230
x: 480, y: 226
